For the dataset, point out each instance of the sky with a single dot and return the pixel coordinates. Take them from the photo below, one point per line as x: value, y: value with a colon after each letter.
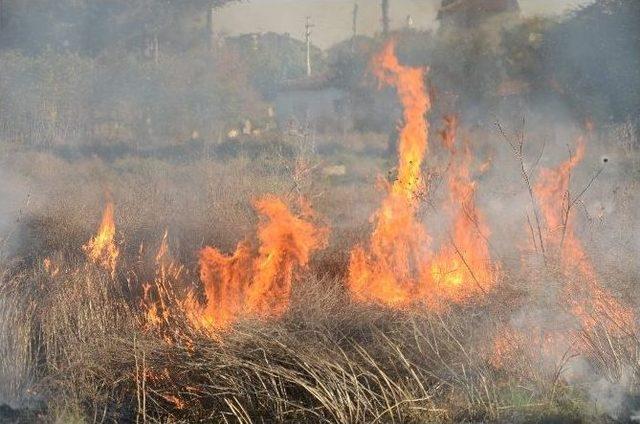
x: 332, y: 18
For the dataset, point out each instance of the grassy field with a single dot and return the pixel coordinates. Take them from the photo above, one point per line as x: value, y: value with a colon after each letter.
x: 75, y: 346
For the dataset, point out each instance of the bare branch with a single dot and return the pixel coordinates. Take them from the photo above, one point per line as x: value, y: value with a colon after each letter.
x: 518, y: 150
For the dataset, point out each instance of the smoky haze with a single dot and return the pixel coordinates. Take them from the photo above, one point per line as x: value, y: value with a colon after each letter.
x: 182, y: 114
x: 334, y: 19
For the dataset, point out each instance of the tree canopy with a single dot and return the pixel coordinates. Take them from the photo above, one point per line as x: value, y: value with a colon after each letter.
x: 89, y: 26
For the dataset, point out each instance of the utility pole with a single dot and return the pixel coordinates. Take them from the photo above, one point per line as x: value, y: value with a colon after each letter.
x: 307, y: 33
x: 385, y: 17
x: 211, y: 12
x: 1, y: 15
x: 355, y: 26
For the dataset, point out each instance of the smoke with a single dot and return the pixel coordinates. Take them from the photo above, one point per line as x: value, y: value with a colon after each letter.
x: 185, y: 133
x: 334, y: 23
x: 15, y: 199
x: 611, y: 397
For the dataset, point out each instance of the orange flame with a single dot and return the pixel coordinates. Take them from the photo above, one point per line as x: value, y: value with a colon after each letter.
x: 51, y: 267
x: 397, y: 270
x: 463, y: 267
x: 387, y: 273
x: 102, y: 249
x: 257, y: 283
x: 588, y: 299
x: 159, y: 298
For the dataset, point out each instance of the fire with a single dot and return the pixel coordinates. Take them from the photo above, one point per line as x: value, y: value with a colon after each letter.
x: 388, y: 272
x: 588, y: 299
x: 397, y: 268
x: 175, y: 400
x: 551, y: 190
x: 102, y: 249
x: 152, y: 315
x: 257, y: 282
x: 463, y: 268
x: 159, y: 299
x: 50, y: 267
x: 157, y: 312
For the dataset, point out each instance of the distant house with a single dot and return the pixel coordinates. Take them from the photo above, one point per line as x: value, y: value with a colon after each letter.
x: 472, y: 13
x: 312, y: 101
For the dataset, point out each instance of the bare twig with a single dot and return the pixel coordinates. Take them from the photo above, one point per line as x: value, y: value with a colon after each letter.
x: 571, y: 202
x: 518, y: 149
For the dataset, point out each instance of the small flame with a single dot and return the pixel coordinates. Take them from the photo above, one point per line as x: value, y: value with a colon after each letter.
x: 463, y: 267
x: 51, y: 267
x: 159, y: 300
x: 588, y: 299
x: 257, y: 283
x: 520, y: 348
x: 102, y: 249
x: 175, y: 401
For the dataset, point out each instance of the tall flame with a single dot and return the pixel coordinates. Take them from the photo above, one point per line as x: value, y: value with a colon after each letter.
x: 102, y: 248
x: 588, y: 299
x: 397, y: 269
x: 257, y: 283
x: 387, y: 272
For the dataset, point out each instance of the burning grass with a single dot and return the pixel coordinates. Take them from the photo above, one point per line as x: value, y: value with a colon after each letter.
x: 88, y: 349
x: 297, y: 326
x: 342, y: 363
x: 398, y: 268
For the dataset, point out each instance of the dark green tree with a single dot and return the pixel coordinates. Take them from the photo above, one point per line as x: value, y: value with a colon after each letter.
x: 90, y: 26
x: 595, y: 58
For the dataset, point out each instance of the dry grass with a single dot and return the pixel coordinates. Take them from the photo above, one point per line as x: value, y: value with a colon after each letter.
x: 77, y: 342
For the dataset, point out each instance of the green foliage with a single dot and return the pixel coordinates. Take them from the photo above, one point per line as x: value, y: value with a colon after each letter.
x: 467, y: 64
x: 523, y: 48
x: 90, y: 26
x: 57, y: 98
x: 47, y: 95
x: 589, y: 61
x: 594, y: 55
x: 271, y: 59
x: 349, y: 60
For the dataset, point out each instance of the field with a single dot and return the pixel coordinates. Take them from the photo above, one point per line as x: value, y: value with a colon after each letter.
x: 132, y: 318
x: 437, y: 222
